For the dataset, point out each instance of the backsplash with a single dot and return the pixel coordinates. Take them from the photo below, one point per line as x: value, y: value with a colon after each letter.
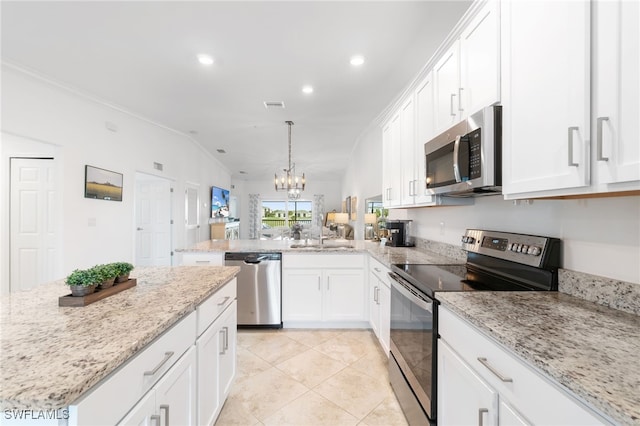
x: 615, y: 294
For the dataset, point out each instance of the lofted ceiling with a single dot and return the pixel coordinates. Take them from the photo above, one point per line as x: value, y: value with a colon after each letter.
x: 141, y: 56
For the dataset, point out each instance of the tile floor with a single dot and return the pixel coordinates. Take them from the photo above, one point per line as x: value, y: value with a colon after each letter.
x: 311, y: 377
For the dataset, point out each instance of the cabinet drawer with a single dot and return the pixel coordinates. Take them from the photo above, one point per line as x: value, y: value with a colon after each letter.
x: 203, y: 259
x: 112, y: 398
x: 537, y: 397
x: 211, y: 308
x: 323, y: 260
x: 380, y: 271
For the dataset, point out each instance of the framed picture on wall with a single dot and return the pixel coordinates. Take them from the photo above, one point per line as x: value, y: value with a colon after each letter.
x: 102, y: 184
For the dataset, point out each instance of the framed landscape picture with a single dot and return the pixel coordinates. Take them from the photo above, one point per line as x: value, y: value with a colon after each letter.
x: 102, y: 184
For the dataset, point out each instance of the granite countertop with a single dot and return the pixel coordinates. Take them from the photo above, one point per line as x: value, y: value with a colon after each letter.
x: 51, y: 355
x: 384, y: 254
x: 592, y: 350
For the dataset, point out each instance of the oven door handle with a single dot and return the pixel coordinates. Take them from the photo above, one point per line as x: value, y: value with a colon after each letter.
x: 401, y: 286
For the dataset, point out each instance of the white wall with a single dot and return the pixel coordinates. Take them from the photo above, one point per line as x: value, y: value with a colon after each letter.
x: 363, y: 178
x: 241, y: 189
x: 39, y: 117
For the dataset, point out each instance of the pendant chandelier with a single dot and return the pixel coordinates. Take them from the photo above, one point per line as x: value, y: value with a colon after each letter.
x: 288, y: 180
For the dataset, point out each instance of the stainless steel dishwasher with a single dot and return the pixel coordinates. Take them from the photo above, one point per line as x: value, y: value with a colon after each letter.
x: 259, y: 288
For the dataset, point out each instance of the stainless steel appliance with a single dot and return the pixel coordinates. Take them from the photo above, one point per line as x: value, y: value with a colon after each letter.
x: 496, y: 261
x: 466, y: 160
x: 399, y: 233
x: 259, y: 288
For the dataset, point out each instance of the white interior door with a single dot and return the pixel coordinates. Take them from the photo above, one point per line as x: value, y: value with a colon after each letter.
x: 34, y: 240
x: 153, y: 221
x: 192, y: 214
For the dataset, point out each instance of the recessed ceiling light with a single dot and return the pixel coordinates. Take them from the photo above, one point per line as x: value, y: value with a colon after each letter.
x: 205, y: 59
x: 356, y: 61
x: 307, y: 89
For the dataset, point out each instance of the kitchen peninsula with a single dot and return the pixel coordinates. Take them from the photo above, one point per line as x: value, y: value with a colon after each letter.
x: 55, y: 358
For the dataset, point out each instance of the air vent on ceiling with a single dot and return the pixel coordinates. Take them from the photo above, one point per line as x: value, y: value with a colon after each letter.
x: 274, y: 104
x: 221, y: 151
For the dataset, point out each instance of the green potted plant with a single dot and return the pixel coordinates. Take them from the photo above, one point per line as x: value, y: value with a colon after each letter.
x: 107, y: 273
x: 82, y: 281
x: 123, y: 269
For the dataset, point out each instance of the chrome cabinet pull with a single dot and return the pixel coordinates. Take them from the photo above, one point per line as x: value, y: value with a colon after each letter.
x: 599, y: 142
x: 378, y: 295
x: 377, y: 269
x: 224, y: 300
x: 203, y: 261
x: 167, y: 356
x: 319, y: 284
x: 481, y: 413
x: 226, y: 338
x: 222, y: 333
x: 166, y: 416
x: 453, y: 114
x: 460, y: 99
x: 484, y: 362
x: 156, y: 418
x: 375, y: 294
x: 571, y: 130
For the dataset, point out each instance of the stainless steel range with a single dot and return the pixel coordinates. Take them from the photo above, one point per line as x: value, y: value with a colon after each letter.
x: 496, y: 261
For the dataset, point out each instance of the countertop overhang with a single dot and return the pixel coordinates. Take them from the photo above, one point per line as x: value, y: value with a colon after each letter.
x: 50, y: 355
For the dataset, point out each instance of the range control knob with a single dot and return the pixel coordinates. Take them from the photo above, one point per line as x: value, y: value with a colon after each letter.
x: 524, y: 248
x: 535, y: 251
x: 509, y: 246
x: 468, y: 240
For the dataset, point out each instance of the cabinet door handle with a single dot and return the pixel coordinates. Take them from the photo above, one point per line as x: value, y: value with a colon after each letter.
x: 571, y: 130
x: 481, y: 413
x: 378, y: 295
x: 319, y: 284
x: 166, y: 415
x: 453, y: 114
x: 204, y: 262
x: 155, y: 418
x: 484, y: 362
x: 224, y: 300
x: 599, y: 142
x: 460, y: 99
x: 375, y: 294
x: 223, y: 332
x: 328, y: 283
x: 377, y: 269
x: 167, y: 356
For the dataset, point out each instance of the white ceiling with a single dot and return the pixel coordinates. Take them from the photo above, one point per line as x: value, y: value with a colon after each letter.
x: 142, y: 56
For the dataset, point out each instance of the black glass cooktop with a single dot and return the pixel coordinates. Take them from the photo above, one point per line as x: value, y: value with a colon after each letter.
x: 433, y: 278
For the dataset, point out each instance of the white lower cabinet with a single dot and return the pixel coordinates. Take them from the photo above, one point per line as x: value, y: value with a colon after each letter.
x: 324, y: 291
x: 172, y: 400
x: 480, y: 382
x: 380, y: 303
x: 203, y: 259
x: 216, y: 349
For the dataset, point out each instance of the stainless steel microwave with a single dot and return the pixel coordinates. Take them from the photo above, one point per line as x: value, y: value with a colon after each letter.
x: 466, y: 160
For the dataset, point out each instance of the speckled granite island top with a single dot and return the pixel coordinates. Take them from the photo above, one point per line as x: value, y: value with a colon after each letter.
x: 385, y: 254
x: 51, y: 355
x: 592, y: 350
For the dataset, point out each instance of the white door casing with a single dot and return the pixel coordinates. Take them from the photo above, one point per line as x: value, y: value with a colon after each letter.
x: 153, y: 221
x: 34, y: 236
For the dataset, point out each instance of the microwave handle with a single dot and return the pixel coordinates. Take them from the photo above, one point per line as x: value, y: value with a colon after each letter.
x: 456, y: 165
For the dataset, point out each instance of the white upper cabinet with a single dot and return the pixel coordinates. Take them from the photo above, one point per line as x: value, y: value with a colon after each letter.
x: 480, y: 61
x: 616, y: 93
x: 391, y: 162
x: 546, y: 96
x: 446, y: 77
x: 407, y: 147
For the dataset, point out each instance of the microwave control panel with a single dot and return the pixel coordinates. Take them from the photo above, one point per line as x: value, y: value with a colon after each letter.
x: 475, y: 154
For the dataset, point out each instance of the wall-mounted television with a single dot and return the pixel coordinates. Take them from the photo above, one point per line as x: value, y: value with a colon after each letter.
x: 219, y: 202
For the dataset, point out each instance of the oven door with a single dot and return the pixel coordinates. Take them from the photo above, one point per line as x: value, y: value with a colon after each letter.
x: 413, y: 346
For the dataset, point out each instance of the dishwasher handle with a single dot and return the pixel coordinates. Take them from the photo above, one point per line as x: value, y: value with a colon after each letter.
x: 253, y: 260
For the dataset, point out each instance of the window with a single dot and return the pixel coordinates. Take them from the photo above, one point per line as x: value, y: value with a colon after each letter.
x: 279, y: 216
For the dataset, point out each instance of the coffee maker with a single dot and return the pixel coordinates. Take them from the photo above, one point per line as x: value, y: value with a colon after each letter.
x: 399, y: 233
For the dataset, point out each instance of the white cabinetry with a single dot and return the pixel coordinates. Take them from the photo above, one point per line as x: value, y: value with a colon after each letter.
x: 216, y: 353
x: 380, y: 303
x: 616, y: 92
x: 172, y: 400
x: 391, y: 162
x: 202, y: 259
x: 546, y: 96
x: 478, y: 379
x: 324, y: 290
x: 578, y: 76
x: 467, y: 76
